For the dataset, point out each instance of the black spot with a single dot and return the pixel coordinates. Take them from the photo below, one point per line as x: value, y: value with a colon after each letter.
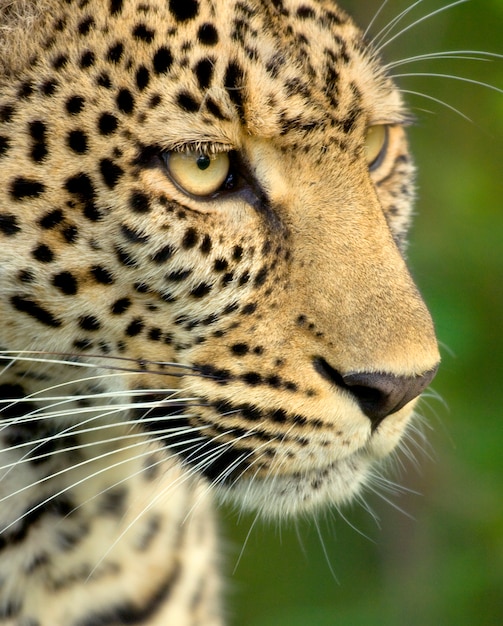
x: 207, y: 34
x: 204, y: 72
x: 273, y: 381
x: 60, y: 61
x: 11, y: 391
x: 113, y: 502
x: 214, y: 109
x: 135, y: 327
x: 233, y: 83
x: 154, y: 334
x: 220, y: 265
x: 115, y: 7
x: 227, y: 278
x: 260, y: 278
x: 74, y: 105
x: 22, y: 188
x: 203, y: 289
x: 89, y: 322
x: 83, y: 344
x: 103, y: 80
x: 43, y: 253
x: 70, y: 233
x: 49, y: 87
x: 163, y: 59
x: 107, y: 124
x: 110, y: 172
x: 240, y: 349
x: 141, y: 32
x: 35, y: 310
x: 163, y: 255
x: 142, y: 78
x: 301, y: 320
x: 190, y: 238
x: 248, y: 309
x: 77, y: 141
x: 85, y: 25
x: 26, y: 276
x: 8, y: 224
x: 206, y: 245
x: 102, y: 275
x: 133, y: 235
x: 120, y: 306
x: 305, y: 12
x: 66, y: 283
x: 38, y: 134
x: 244, y: 278
x: 87, y: 59
x: 155, y: 101
x: 114, y: 54
x: 25, y: 90
x: 279, y: 415
x: 125, y: 101
x: 51, y: 219
x: 184, y: 10
x: 178, y: 276
x: 187, y: 102
x: 6, y: 113
x: 139, y: 202
x: 252, y: 378
x: 125, y: 258
x: 81, y: 186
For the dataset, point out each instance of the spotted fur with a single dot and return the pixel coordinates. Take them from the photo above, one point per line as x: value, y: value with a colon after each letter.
x: 160, y: 346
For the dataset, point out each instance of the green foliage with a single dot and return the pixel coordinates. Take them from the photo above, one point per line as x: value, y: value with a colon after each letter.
x: 445, y: 566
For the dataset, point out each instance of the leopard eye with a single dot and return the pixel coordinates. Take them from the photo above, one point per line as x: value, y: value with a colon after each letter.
x: 376, y: 142
x: 198, y: 173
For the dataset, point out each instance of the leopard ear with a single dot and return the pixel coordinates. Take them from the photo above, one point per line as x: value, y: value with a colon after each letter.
x: 22, y: 23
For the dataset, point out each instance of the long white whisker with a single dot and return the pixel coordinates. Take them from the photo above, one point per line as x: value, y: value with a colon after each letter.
x: 463, y: 79
x: 419, y: 21
x: 78, y: 465
x: 438, y: 101
x: 470, y: 55
x: 392, y: 23
x: 172, y: 485
x: 374, y: 18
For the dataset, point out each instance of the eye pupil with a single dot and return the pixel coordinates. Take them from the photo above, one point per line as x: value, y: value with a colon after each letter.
x: 203, y: 162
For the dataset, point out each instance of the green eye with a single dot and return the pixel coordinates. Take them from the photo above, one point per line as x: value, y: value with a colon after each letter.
x: 197, y: 173
x: 376, y: 142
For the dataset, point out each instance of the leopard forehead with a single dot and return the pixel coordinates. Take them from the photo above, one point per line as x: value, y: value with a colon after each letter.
x: 281, y: 66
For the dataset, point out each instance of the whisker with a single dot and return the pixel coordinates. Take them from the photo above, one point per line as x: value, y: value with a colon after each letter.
x: 419, y: 21
x: 438, y: 101
x: 78, y: 465
x: 374, y: 18
x: 463, y: 79
x: 470, y: 55
x: 375, y: 41
x: 193, y: 470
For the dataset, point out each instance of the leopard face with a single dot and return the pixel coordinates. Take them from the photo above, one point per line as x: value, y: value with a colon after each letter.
x: 206, y: 204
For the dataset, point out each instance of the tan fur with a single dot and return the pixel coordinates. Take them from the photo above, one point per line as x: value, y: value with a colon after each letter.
x: 175, y: 345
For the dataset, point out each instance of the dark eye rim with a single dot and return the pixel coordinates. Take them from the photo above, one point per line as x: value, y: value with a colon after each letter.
x: 379, y: 159
x: 230, y: 184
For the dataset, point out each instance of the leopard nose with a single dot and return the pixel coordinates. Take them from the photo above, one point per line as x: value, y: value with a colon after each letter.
x: 378, y: 394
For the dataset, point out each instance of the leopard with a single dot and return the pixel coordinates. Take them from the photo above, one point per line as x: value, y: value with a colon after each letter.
x: 204, y: 291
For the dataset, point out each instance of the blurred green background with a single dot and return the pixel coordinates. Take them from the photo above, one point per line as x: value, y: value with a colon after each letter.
x: 442, y: 563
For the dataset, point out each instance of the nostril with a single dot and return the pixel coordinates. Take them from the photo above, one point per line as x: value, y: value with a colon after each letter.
x: 378, y: 394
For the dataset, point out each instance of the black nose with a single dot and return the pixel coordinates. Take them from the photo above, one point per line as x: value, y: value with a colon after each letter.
x: 378, y: 394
